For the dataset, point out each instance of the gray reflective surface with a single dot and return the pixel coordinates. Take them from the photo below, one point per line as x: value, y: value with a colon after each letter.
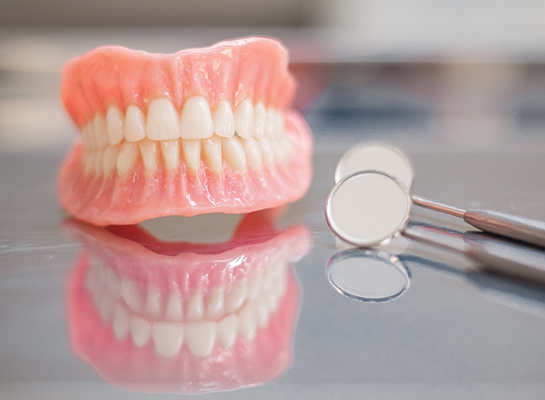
x: 474, y: 134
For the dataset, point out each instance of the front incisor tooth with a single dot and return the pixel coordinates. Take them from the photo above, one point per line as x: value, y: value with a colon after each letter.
x: 150, y: 154
x: 253, y: 153
x: 171, y: 153
x: 167, y: 338
x: 135, y: 124
x: 201, y: 337
x: 128, y: 154
x: 234, y: 153
x: 224, y: 120
x: 114, y: 124
x: 195, y: 308
x: 212, y: 152
x: 163, y: 122
x: 244, y: 119
x: 110, y: 159
x: 196, y: 120
x: 260, y: 121
x: 101, y: 132
x: 192, y: 153
x: 266, y: 152
x: 174, y: 308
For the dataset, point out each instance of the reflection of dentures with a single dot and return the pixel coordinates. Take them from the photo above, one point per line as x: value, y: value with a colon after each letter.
x: 196, y: 131
x: 150, y: 315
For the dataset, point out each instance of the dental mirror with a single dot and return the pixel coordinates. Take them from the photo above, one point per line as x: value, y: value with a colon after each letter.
x: 367, y: 275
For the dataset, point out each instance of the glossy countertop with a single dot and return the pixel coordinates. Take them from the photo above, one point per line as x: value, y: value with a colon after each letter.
x: 475, y: 134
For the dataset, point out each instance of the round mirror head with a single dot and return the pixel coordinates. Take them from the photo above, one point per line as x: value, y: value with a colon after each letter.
x: 367, y: 208
x: 367, y: 275
x: 377, y: 156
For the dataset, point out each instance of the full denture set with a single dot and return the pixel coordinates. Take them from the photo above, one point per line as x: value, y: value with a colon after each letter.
x: 201, y: 130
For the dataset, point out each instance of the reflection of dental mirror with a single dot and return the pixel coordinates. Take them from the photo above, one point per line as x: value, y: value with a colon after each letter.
x: 367, y: 275
x: 511, y: 226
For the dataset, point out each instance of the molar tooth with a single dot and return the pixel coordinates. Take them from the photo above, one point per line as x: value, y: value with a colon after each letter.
x: 93, y: 145
x: 196, y: 120
x: 163, y: 123
x: 253, y: 153
x: 110, y: 159
x: 90, y: 161
x: 270, y: 123
x: 234, y: 153
x: 215, y: 304
x: 201, y: 337
x: 244, y: 119
x: 85, y: 138
x: 262, y: 311
x: 278, y: 151
x: 114, y: 123
x: 254, y: 285
x: 135, y: 124
x: 167, y: 337
x: 260, y: 121
x: 224, y: 120
x: 192, y: 153
x: 195, y: 308
x: 101, y: 132
x: 171, y: 153
x: 131, y: 295
x: 247, y: 321
x: 154, y: 304
x: 121, y: 321
x: 150, y: 154
x: 114, y: 283
x: 288, y: 147
x: 266, y: 152
x: 212, y: 151
x: 277, y: 124
x: 227, y: 330
x: 236, y: 296
x: 128, y: 154
x: 140, y: 330
x: 174, y: 308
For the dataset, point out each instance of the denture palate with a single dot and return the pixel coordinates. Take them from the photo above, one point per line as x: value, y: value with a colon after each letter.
x: 247, y: 134
x: 202, y: 321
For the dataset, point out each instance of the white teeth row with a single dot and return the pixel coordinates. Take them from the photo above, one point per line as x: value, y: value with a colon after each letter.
x: 196, y: 121
x: 217, y: 320
x: 237, y: 152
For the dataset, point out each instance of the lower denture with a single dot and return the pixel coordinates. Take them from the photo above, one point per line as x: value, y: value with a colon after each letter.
x: 138, y: 306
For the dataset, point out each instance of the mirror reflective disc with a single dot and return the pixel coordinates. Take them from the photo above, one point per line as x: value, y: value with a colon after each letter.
x: 367, y: 275
x: 377, y: 156
x: 367, y: 208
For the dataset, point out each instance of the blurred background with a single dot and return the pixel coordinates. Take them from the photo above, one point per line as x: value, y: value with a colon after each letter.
x: 466, y: 73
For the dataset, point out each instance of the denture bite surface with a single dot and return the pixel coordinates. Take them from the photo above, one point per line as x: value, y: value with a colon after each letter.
x: 198, y: 131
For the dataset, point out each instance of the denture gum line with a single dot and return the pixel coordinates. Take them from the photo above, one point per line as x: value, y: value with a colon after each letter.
x: 249, y: 135
x: 169, y: 321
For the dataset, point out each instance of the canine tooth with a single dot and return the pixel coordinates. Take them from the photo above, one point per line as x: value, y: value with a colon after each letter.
x: 244, y: 119
x: 224, y: 120
x: 234, y: 153
x: 114, y: 124
x: 212, y: 151
x: 163, y: 122
x: 90, y: 161
x: 174, y: 308
x: 171, y: 153
x: 150, y: 153
x: 121, y: 321
x: 131, y: 295
x: 236, y: 296
x: 154, y: 304
x: 128, y: 154
x: 195, y: 308
x: 215, y: 304
x: 110, y: 159
x: 135, y: 124
x: 247, y: 321
x: 260, y: 121
x: 99, y: 162
x: 253, y: 153
x: 266, y: 152
x: 278, y: 151
x: 192, y: 153
x: 254, y: 285
x: 140, y: 330
x: 227, y: 330
x: 106, y: 306
x: 114, y: 283
x: 167, y: 337
x: 196, y: 121
x: 201, y: 337
x: 101, y: 132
